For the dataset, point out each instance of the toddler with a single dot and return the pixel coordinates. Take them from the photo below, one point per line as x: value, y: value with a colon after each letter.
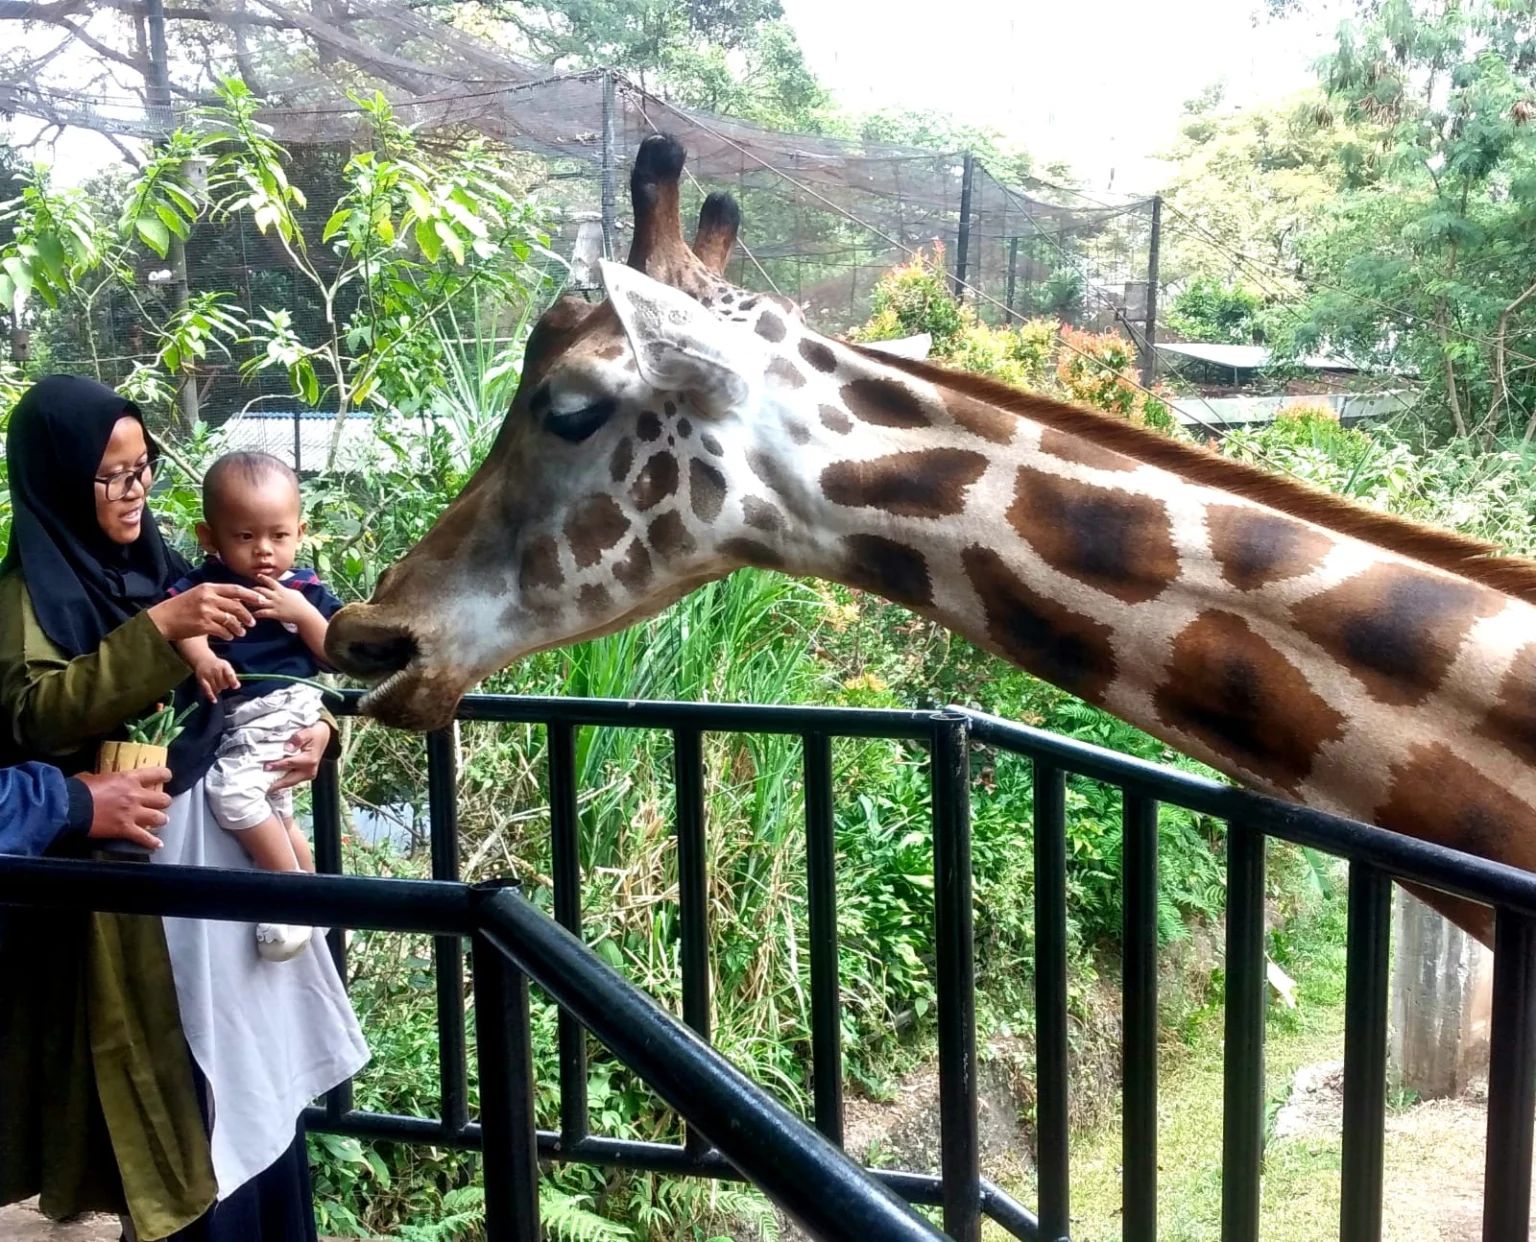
x: 251, y: 528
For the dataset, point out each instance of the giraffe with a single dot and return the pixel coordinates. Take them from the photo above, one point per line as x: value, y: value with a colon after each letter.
x: 1308, y: 648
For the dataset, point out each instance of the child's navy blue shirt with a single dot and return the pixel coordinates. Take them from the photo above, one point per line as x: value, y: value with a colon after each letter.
x: 269, y: 646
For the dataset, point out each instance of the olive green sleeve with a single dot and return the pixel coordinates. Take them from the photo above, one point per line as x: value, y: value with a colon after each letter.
x: 51, y: 705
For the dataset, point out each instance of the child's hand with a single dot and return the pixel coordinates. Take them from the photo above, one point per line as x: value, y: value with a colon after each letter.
x: 280, y: 603
x: 214, y: 675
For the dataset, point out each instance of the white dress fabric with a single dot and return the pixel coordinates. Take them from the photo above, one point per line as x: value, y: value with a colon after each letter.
x: 269, y: 1037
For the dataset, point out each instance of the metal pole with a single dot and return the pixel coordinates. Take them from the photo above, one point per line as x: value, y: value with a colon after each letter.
x: 610, y: 166
x: 963, y: 237
x: 1511, y: 1081
x: 1139, y: 1004
x: 826, y: 1004
x: 960, y: 1143
x: 1242, y: 1158
x: 159, y: 82
x: 1154, y: 248
x: 1365, y: 1052
x: 1013, y: 275
x: 1052, y: 1049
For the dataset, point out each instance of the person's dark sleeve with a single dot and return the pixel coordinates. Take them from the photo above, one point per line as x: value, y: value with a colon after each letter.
x: 38, y: 806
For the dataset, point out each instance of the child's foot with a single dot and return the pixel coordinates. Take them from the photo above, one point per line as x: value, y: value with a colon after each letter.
x: 279, y: 942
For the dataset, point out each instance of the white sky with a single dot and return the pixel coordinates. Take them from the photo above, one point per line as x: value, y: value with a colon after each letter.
x: 1096, y: 83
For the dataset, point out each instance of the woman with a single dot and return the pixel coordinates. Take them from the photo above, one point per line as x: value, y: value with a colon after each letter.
x: 151, y: 1067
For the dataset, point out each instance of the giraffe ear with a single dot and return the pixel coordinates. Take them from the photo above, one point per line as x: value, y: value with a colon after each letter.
x: 679, y: 345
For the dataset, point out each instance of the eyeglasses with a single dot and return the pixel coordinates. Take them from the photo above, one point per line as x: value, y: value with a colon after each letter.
x: 121, y: 482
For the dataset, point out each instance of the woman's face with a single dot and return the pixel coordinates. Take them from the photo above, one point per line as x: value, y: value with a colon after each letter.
x: 122, y: 482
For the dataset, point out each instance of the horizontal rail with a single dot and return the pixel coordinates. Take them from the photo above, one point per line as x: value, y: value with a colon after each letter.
x: 1451, y: 871
x: 432, y: 906
x: 670, y: 1159
x: 824, y: 1190
x: 661, y: 714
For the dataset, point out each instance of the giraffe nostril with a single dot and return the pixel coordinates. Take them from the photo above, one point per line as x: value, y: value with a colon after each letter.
x: 376, y: 657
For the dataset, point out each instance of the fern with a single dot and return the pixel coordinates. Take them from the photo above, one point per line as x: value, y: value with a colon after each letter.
x: 565, y: 1217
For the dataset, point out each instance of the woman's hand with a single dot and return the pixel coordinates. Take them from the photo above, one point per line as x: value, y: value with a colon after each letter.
x: 212, y: 610
x: 302, y: 761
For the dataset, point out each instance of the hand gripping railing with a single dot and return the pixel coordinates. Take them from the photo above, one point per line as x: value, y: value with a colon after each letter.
x: 804, y: 1174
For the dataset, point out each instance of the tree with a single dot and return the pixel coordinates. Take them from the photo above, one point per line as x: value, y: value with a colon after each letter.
x: 1431, y: 264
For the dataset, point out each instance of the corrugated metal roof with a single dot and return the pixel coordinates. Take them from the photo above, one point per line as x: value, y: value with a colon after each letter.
x: 1250, y: 357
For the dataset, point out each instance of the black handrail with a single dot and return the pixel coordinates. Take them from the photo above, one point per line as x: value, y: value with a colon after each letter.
x: 452, y: 913
x: 809, y: 1178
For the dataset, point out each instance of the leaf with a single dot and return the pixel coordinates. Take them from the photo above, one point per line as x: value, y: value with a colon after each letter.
x: 154, y: 234
x: 427, y: 239
x: 451, y: 239
x: 336, y: 223
x: 50, y: 253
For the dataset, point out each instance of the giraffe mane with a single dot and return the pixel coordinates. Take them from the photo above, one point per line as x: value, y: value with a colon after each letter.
x: 1458, y: 554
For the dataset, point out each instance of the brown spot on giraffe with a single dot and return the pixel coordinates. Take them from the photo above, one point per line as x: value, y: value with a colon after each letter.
x: 595, y: 525
x: 593, y: 599
x: 833, y: 419
x: 818, y: 355
x: 769, y: 326
x: 634, y: 569
x: 1396, y: 627
x: 711, y: 445
x: 657, y: 480
x: 1081, y: 451
x: 540, y: 565
x: 1238, y: 694
x: 981, y: 419
x: 1039, y: 634
x: 623, y: 458
x: 888, y: 568
x: 884, y: 403
x: 611, y: 351
x: 923, y: 483
x: 1255, y: 548
x: 1512, y: 722
x: 799, y: 433
x: 1440, y: 797
x: 706, y: 490
x: 782, y: 371
x: 684, y: 426
x: 669, y: 408
x: 1118, y: 542
x: 778, y: 478
x: 669, y: 537
x: 649, y: 426
x: 752, y: 552
x: 762, y: 514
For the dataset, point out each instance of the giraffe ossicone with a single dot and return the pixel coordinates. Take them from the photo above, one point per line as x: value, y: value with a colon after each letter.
x: 686, y: 427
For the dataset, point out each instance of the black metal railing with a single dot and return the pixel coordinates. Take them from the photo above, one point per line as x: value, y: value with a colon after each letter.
x: 800, y: 1168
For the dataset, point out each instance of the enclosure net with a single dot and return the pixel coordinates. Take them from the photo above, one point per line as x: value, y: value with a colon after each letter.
x: 823, y: 218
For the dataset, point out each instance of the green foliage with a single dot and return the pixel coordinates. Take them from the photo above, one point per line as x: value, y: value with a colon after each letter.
x: 1429, y: 266
x: 1206, y: 310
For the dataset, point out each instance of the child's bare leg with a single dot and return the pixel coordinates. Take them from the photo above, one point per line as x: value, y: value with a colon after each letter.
x: 300, y: 845
x: 270, y: 846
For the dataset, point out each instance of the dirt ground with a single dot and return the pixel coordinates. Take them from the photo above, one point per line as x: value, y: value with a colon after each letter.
x: 1434, y: 1154
x: 23, y: 1223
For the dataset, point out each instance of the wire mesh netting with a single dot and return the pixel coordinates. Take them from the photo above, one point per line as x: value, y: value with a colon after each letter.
x: 823, y: 217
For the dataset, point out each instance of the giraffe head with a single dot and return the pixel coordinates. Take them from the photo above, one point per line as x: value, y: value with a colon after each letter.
x: 625, y: 474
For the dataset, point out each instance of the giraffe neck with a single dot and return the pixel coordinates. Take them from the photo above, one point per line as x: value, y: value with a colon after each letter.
x: 1297, y: 659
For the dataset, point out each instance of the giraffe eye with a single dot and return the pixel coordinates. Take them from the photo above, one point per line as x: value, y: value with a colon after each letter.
x: 577, y: 425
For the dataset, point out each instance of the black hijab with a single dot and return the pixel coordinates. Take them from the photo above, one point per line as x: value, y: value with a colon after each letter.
x: 83, y: 586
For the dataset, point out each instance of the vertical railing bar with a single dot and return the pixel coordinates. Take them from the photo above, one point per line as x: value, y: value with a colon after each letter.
x: 955, y: 948
x: 1242, y: 1151
x: 326, y: 803
x: 1139, y: 993
x: 692, y: 886
x: 1365, y: 1053
x: 1051, y: 1051
x: 826, y: 997
x: 447, y: 951
x: 1511, y: 1081
x: 510, y: 1163
x: 565, y: 838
